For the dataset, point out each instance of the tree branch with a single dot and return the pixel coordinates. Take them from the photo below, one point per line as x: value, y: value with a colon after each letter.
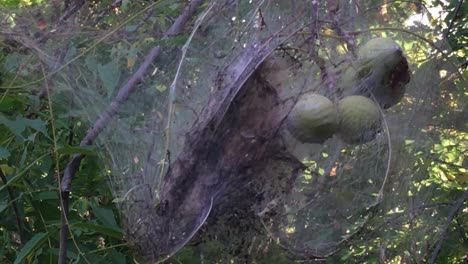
x: 453, y: 212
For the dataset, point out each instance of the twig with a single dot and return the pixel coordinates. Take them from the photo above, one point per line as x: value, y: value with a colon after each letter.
x: 64, y: 228
x: 70, y: 10
x: 453, y: 212
x: 103, y: 13
x: 313, y: 28
x: 61, y: 57
x: 172, y: 89
x: 19, y: 223
x: 63, y: 195
x: 455, y: 13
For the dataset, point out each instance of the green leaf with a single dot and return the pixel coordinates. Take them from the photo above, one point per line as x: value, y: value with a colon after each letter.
x: 174, y: 41
x: 174, y: 6
x: 21, y: 173
x: 4, y: 153
x: 14, y: 60
x: 105, y: 215
x: 3, y: 206
x: 19, y: 124
x: 11, y: 102
x: 15, y: 126
x: 447, y: 142
x: 81, y: 205
x: 109, y: 74
x: 32, y: 245
x: 130, y: 28
x: 91, y: 63
x: 46, y: 195
x: 36, y: 124
x: 161, y: 87
x: 125, y: 4
x: 85, y: 150
x: 113, y: 232
x: 116, y: 257
x: 71, y: 53
x: 56, y: 251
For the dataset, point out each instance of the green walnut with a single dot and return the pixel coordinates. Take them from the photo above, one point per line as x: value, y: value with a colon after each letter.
x: 313, y: 119
x: 377, y: 47
x: 381, y: 72
x: 359, y: 119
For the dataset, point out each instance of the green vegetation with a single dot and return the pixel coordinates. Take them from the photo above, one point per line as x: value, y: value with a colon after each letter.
x: 63, y: 63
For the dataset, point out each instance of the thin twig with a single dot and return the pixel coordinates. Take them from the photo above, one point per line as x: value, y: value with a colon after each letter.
x: 61, y: 57
x: 313, y: 28
x: 63, y: 195
x: 19, y: 222
x: 70, y: 10
x: 173, y: 87
x: 64, y: 228
x: 455, y: 13
x: 103, y: 13
x: 453, y: 212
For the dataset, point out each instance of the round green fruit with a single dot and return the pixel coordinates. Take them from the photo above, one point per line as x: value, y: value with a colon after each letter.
x: 380, y: 73
x: 376, y: 47
x: 313, y: 119
x: 359, y: 119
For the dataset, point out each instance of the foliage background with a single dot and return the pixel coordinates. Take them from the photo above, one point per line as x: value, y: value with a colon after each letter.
x: 42, y: 126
